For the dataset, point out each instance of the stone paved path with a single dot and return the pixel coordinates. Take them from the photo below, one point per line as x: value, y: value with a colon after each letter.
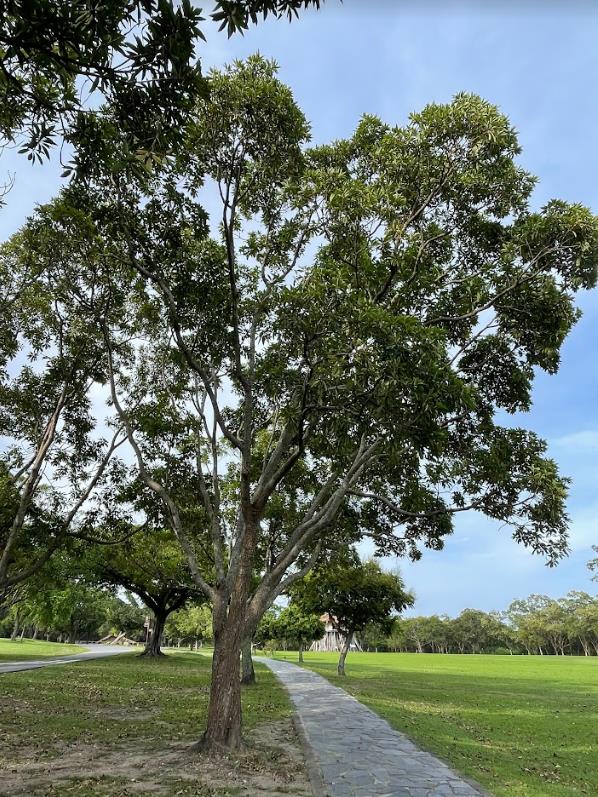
x: 358, y: 753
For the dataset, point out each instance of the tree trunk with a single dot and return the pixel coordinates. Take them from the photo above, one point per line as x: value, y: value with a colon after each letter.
x: 343, y: 656
x: 301, y: 653
x: 15, y: 628
x: 232, y: 628
x: 35, y: 632
x: 152, y: 645
x: 247, y: 671
x: 223, y: 730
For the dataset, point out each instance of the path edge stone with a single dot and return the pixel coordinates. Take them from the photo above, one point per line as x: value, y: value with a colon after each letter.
x: 314, y: 772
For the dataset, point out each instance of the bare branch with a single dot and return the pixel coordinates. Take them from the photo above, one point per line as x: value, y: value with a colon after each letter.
x: 154, y: 485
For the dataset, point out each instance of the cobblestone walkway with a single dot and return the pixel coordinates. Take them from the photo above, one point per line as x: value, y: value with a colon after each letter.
x: 357, y: 752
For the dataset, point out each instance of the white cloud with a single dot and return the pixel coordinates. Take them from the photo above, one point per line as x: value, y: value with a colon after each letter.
x: 583, y: 441
x: 584, y: 528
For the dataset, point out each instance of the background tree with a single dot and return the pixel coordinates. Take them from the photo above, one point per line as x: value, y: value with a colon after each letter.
x: 191, y: 624
x: 365, y: 307
x: 525, y: 618
x: 475, y: 631
x: 537, y: 624
x: 354, y: 595
x: 377, y: 638
x: 267, y: 630
x: 58, y: 604
x: 584, y: 626
x: 397, y: 639
x: 553, y: 619
x: 150, y: 565
x: 298, y: 626
x: 125, y: 615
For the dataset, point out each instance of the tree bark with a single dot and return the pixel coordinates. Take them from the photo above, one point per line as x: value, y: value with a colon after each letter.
x: 247, y: 671
x: 343, y: 656
x: 301, y: 653
x: 232, y: 625
x: 223, y: 729
x: 152, y: 645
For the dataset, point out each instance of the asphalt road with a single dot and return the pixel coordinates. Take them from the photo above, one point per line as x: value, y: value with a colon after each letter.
x: 92, y: 652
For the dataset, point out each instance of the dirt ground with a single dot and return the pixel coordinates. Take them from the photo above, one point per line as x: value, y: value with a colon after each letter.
x: 272, y: 766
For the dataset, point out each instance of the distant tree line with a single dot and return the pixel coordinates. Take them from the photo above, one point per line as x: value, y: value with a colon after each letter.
x: 537, y: 625
x: 71, y: 614
x: 76, y: 612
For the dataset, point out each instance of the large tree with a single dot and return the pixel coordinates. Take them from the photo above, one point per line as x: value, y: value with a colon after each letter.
x: 57, y: 452
x: 360, y: 310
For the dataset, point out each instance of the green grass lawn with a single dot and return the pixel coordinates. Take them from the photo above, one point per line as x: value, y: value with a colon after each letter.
x: 521, y: 726
x: 26, y: 649
x: 124, y: 726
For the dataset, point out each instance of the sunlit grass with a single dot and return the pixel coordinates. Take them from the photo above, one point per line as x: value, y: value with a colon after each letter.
x: 29, y: 649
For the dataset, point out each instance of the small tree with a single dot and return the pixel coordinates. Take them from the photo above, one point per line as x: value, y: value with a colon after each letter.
x: 299, y: 626
x: 353, y: 595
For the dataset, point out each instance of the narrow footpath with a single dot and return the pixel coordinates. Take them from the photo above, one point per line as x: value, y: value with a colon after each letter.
x: 92, y: 652
x: 356, y: 752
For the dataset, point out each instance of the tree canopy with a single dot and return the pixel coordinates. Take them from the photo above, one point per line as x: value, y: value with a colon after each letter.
x: 115, y: 80
x: 342, y: 337
x: 151, y: 565
x: 354, y: 595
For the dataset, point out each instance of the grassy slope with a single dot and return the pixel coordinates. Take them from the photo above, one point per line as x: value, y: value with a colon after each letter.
x: 522, y: 726
x: 26, y: 649
x: 115, y: 706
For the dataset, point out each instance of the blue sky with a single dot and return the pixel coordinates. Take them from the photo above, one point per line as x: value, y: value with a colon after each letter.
x: 538, y: 61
